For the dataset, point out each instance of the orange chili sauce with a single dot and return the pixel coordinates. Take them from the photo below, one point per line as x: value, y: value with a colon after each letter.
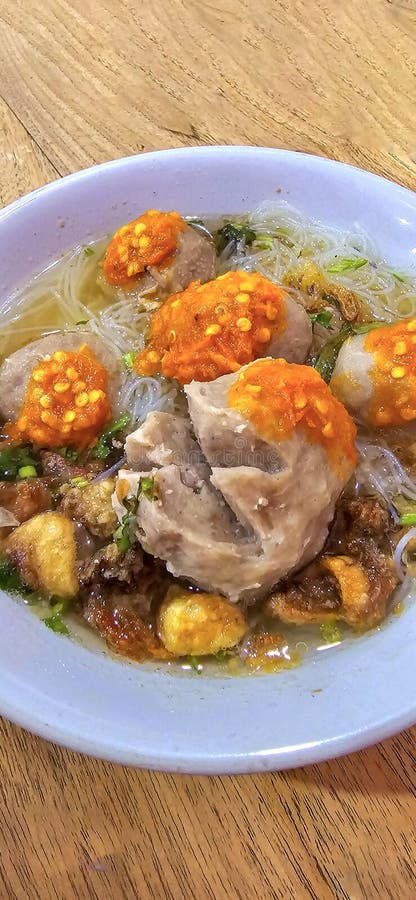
x: 393, y: 400
x: 214, y: 328
x: 277, y: 396
x: 150, y: 240
x: 65, y: 402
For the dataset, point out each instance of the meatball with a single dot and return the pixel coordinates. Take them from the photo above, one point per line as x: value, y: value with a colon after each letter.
x: 191, y: 624
x: 278, y: 448
x: 16, y: 370
x: 159, y: 250
x: 213, y: 329
x: 375, y: 375
x: 194, y: 259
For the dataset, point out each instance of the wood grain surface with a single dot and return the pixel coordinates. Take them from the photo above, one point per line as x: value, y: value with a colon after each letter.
x: 82, y: 82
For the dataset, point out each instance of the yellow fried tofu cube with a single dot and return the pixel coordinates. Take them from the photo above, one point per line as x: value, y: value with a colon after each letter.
x: 192, y: 624
x: 44, y: 552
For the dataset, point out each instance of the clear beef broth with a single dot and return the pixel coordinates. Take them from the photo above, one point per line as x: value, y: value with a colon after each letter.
x: 73, y: 294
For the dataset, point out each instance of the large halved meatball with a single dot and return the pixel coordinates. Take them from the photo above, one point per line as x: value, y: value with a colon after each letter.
x: 278, y: 449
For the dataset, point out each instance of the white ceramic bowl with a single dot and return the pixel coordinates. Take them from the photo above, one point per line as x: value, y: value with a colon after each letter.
x: 342, y: 700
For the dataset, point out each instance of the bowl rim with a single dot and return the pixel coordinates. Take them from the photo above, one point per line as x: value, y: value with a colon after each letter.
x: 222, y: 763
x: 194, y: 149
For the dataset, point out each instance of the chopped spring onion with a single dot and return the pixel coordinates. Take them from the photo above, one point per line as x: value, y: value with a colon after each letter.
x: 193, y: 220
x: 12, y: 459
x: 321, y: 318
x: 367, y: 326
x: 229, y: 235
x: 122, y: 534
x: 325, y: 362
x: 265, y: 243
x: 55, y: 621
x: 195, y: 664
x: 408, y: 519
x: 330, y: 632
x: 68, y: 453
x: 88, y: 251
x: 343, y: 264
x: 79, y: 481
x: 128, y: 359
x: 147, y: 487
x: 403, y: 279
x: 104, y: 446
x: 9, y: 576
x: 27, y: 472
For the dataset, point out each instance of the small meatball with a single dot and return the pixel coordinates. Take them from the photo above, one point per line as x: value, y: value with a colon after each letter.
x: 215, y: 328
x: 44, y: 552
x: 150, y: 240
x: 16, y: 370
x: 158, y: 249
x: 92, y: 506
x: 194, y: 260
x: 66, y: 402
x: 375, y: 375
x: 191, y: 624
x: 277, y: 397
x: 25, y: 498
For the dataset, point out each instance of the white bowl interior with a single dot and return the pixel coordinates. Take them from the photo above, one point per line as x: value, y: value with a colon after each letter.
x: 144, y: 715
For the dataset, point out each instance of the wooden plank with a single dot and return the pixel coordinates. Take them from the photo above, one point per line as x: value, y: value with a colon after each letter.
x: 23, y: 166
x: 98, y: 80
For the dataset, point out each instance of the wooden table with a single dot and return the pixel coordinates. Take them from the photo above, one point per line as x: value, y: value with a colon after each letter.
x: 85, y: 81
